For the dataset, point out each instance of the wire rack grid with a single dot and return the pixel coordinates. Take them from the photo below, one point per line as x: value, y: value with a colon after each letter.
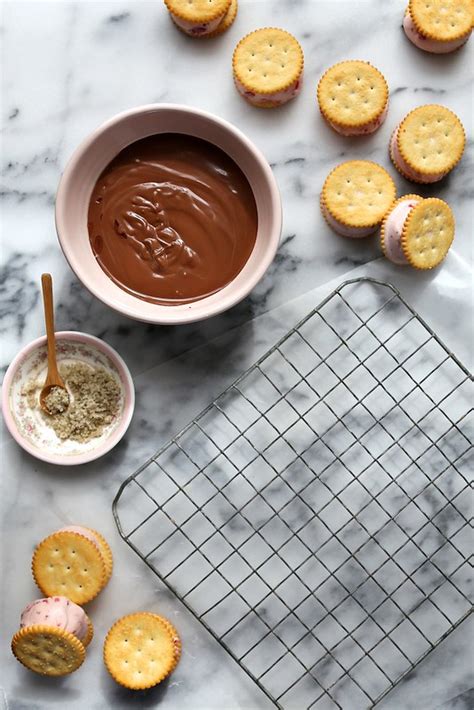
x: 316, y: 516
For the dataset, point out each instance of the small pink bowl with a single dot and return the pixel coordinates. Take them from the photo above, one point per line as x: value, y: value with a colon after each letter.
x: 116, y: 433
x: 96, y: 152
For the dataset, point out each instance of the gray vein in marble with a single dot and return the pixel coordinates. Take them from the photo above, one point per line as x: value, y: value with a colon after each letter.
x: 118, y: 18
x: 463, y: 701
x: 20, y: 196
x: 17, y: 295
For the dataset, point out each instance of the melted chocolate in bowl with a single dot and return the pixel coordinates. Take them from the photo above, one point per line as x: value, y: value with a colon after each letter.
x: 172, y: 219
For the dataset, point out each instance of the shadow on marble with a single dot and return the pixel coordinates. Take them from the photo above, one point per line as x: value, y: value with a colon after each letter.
x: 116, y: 695
x: 40, y: 684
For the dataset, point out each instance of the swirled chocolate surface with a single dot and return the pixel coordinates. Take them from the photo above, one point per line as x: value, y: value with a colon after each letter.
x: 172, y: 219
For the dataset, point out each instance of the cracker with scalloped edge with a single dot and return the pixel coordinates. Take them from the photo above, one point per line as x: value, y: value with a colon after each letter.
x: 428, y: 233
x: 352, y: 94
x: 71, y: 565
x: 431, y: 139
x: 47, y: 650
x: 141, y: 650
x: 442, y: 20
x: 358, y: 193
x: 267, y: 62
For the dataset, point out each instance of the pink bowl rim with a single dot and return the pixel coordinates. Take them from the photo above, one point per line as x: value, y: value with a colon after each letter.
x: 116, y: 435
x: 165, y: 315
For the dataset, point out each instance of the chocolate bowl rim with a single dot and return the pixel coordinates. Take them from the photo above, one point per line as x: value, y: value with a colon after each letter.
x: 180, y: 313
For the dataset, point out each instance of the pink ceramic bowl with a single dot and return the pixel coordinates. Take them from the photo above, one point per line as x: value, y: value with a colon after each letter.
x: 94, y: 154
x: 27, y: 426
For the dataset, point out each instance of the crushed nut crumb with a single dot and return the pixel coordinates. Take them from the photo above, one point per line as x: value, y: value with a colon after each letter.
x: 57, y: 400
x: 94, y: 400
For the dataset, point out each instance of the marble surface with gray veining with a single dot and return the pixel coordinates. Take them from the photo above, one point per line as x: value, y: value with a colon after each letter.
x: 66, y: 67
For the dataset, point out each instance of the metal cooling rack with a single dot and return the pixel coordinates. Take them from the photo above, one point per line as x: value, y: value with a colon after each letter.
x: 315, y: 517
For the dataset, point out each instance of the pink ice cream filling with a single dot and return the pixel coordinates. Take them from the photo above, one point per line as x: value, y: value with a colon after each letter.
x: 408, y: 171
x: 343, y: 229
x: 364, y: 130
x: 278, y: 97
x: 197, y: 28
x: 58, y: 612
x: 434, y: 46
x: 85, y: 532
x: 393, y: 231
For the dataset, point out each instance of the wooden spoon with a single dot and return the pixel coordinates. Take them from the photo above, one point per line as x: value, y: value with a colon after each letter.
x: 53, y: 378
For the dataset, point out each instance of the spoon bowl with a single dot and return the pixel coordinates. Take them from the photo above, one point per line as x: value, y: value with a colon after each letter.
x: 44, y: 394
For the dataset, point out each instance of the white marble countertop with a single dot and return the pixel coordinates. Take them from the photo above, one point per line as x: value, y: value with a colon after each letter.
x: 66, y: 67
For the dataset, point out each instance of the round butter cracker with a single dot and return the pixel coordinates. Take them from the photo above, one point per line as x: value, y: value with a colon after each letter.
x: 428, y: 233
x: 267, y: 62
x: 198, y: 10
x: 358, y: 193
x: 141, y: 650
x: 442, y: 20
x: 47, y: 650
x: 431, y: 139
x: 352, y: 93
x: 69, y: 564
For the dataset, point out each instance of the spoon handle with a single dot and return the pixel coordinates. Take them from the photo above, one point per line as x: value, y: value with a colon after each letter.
x: 47, y: 286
